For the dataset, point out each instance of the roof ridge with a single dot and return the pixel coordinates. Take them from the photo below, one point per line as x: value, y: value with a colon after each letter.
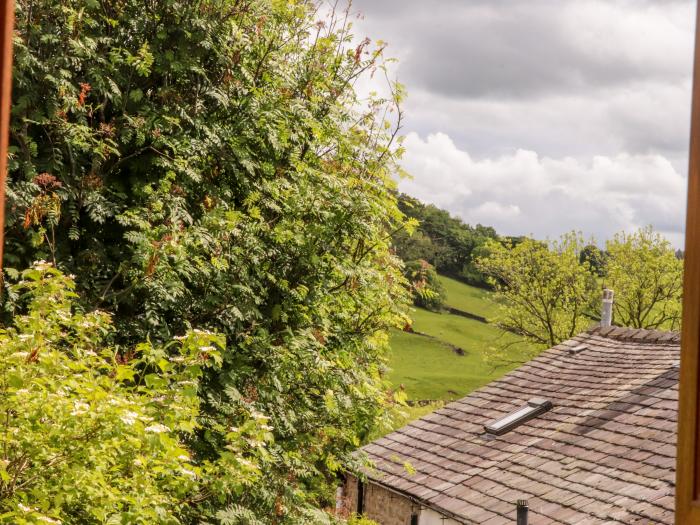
x: 636, y: 335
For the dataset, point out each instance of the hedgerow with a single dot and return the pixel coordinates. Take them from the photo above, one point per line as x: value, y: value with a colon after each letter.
x: 209, y: 165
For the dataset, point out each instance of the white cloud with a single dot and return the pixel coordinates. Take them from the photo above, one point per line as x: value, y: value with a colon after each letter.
x: 523, y: 192
x: 545, y: 116
x: 516, y: 49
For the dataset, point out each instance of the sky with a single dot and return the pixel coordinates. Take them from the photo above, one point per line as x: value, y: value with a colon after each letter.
x: 539, y: 117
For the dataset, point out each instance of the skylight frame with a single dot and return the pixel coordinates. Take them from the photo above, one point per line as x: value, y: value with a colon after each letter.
x: 533, y: 408
x: 578, y: 349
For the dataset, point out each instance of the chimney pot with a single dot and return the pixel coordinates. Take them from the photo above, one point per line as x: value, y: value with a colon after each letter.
x: 607, y: 310
x: 522, y: 512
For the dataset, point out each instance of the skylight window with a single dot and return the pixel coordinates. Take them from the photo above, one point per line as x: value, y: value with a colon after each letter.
x: 575, y: 350
x: 534, y: 407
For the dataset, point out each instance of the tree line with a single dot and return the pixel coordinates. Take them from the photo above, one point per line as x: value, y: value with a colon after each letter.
x: 432, y: 241
x: 445, y: 242
x: 550, y: 291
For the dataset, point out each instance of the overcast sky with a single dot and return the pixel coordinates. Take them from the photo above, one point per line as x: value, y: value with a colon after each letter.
x: 543, y: 116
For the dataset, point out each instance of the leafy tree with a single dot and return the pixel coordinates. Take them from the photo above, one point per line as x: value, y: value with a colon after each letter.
x: 208, y: 165
x: 442, y: 240
x: 91, y: 434
x: 647, y: 278
x: 595, y: 258
x: 415, y: 245
x: 546, y: 292
x: 428, y: 291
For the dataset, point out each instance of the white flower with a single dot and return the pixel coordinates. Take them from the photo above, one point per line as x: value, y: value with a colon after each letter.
x: 129, y: 418
x: 183, y: 457
x: 157, y: 428
x: 188, y: 473
x: 46, y: 519
x: 80, y: 408
x: 257, y: 416
x: 42, y: 265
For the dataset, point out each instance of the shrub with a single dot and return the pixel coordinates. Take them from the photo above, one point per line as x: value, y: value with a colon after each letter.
x: 208, y: 164
x: 95, y: 434
x: 428, y: 291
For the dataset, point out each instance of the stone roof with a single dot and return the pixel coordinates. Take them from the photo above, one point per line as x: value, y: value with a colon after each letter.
x: 605, y: 453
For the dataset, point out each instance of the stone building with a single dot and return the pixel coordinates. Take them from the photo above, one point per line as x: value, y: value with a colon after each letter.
x: 585, y: 432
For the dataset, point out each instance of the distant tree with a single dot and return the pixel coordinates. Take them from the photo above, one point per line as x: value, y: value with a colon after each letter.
x: 546, y: 292
x: 412, y: 246
x: 485, y: 231
x: 428, y: 291
x: 594, y: 257
x: 444, y: 241
x: 647, y: 277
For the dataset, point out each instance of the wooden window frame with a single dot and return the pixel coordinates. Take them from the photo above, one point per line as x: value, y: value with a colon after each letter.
x: 7, y: 18
x: 688, y: 458
x: 688, y: 449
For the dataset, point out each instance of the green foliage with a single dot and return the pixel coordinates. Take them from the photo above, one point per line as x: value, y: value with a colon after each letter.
x: 209, y: 165
x: 92, y: 434
x: 551, y: 293
x: 594, y: 257
x: 647, y: 278
x: 428, y: 291
x: 547, y: 293
x: 442, y: 240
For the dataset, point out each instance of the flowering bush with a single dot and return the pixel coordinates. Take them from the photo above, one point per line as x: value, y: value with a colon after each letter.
x: 92, y: 433
x: 208, y: 164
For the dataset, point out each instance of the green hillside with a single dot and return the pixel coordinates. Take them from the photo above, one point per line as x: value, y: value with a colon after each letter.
x: 470, y: 299
x: 430, y: 368
x: 468, y: 334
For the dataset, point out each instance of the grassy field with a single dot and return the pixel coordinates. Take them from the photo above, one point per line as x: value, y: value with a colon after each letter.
x: 468, y: 298
x: 469, y: 335
x: 428, y: 368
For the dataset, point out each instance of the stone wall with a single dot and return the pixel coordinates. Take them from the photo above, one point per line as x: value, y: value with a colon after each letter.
x: 431, y: 517
x: 381, y: 505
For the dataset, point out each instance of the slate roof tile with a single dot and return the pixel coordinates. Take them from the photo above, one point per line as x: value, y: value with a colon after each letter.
x: 604, y: 454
